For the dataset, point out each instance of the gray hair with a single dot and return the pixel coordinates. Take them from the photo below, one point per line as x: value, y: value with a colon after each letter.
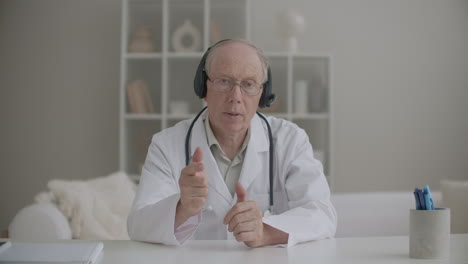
x: 261, y: 56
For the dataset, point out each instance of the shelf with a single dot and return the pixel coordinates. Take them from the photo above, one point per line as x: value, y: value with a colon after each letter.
x: 222, y: 15
x: 295, y: 55
x: 311, y: 55
x: 154, y: 55
x: 180, y: 95
x: 182, y: 4
x: 306, y: 116
x: 158, y: 55
x: 227, y: 4
x: 275, y: 114
x: 143, y: 116
x: 145, y: 3
x: 139, y: 135
x: 180, y: 116
x: 147, y: 72
x: 295, y: 116
x: 301, y: 80
x: 179, y: 14
x: 310, y: 116
x: 145, y: 14
x: 279, y: 71
x: 311, y: 84
x: 131, y: 116
x: 190, y: 55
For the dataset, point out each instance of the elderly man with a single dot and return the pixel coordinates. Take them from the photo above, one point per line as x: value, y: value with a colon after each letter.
x: 250, y: 178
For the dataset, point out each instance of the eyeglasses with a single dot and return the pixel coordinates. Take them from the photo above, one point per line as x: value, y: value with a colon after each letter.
x: 248, y: 87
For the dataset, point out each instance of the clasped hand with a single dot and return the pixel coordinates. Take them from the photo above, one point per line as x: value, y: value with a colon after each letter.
x: 244, y: 220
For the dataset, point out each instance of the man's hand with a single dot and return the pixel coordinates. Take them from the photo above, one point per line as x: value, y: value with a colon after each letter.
x: 193, y: 189
x: 245, y: 220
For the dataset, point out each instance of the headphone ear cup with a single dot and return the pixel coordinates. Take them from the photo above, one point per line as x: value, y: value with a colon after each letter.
x: 199, y: 82
x: 203, y: 87
x: 267, y: 96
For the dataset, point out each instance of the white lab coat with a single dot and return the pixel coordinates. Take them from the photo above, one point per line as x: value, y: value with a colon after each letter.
x: 302, y: 206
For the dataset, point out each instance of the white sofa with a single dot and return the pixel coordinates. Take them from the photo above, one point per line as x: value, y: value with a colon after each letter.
x: 359, y: 214
x: 375, y: 214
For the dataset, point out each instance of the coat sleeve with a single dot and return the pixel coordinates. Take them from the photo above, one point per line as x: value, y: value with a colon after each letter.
x: 152, y: 216
x: 310, y: 214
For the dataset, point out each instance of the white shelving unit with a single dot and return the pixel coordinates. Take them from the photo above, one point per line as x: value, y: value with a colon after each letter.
x: 169, y: 74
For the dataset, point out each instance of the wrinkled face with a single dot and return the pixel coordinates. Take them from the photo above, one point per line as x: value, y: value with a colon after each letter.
x: 230, y: 112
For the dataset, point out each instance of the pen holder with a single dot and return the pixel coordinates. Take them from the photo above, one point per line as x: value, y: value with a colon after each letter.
x: 430, y: 233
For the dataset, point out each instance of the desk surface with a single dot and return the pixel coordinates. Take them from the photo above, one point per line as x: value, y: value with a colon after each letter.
x: 340, y: 250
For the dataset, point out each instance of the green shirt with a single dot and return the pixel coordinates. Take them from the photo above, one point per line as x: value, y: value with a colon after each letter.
x: 230, y: 170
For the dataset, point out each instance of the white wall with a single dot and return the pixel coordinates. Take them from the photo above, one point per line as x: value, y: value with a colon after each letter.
x: 400, y: 86
x: 400, y: 90
x: 59, y: 68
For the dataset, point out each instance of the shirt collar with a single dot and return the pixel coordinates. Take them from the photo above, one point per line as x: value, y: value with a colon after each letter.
x: 211, y: 138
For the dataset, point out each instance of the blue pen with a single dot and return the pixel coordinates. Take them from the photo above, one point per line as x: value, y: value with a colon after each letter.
x: 416, y: 199
x: 421, y: 199
x: 428, y: 198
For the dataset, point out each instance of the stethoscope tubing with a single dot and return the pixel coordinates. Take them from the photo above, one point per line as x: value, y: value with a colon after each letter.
x: 270, y: 137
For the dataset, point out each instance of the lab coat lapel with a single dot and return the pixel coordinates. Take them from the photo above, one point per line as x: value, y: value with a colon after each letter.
x: 254, y: 160
x: 215, y: 180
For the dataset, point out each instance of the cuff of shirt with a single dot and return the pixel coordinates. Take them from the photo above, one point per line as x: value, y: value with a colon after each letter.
x: 185, y: 230
x: 299, y: 227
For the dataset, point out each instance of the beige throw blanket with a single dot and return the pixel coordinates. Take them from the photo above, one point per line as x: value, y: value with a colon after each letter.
x: 97, y: 208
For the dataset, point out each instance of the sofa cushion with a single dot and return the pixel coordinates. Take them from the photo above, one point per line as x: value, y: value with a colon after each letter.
x: 97, y: 209
x: 375, y: 214
x: 455, y: 197
x: 53, y: 224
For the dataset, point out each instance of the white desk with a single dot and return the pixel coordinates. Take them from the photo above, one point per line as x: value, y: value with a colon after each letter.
x: 340, y: 250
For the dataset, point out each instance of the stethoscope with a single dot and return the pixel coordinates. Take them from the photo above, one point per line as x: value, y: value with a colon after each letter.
x: 270, y: 137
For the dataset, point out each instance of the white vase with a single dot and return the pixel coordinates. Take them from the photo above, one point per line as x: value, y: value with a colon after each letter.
x: 292, y: 24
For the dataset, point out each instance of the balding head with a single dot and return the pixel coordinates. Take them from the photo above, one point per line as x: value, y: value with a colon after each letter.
x: 213, y: 50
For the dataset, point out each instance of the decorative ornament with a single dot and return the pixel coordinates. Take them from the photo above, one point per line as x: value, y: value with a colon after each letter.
x: 139, y: 98
x: 292, y: 24
x: 186, y: 38
x: 142, y: 41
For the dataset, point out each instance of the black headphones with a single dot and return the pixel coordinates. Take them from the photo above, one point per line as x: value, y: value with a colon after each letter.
x: 199, y: 83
